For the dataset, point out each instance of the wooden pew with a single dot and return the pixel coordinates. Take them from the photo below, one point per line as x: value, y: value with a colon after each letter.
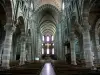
x: 33, y: 68
x: 62, y: 68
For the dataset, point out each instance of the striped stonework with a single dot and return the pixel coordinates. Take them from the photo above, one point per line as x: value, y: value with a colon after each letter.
x: 86, y: 40
x: 73, y: 54
x: 87, y: 48
x: 9, y: 32
x: 7, y: 46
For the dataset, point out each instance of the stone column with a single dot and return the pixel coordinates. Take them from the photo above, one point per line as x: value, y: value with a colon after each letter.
x: 39, y: 46
x: 66, y: 50
x: 0, y: 52
x: 23, y: 52
x: 98, y: 54
x: 97, y: 48
x: 29, y: 53
x: 1, y: 49
x: 81, y: 48
x: 14, y: 53
x: 56, y: 43
x: 32, y: 45
x: 36, y: 43
x: 61, y: 51
x: 11, y: 55
x: 73, y: 54
x: 7, y: 46
x: 86, y: 40
x: 87, y: 47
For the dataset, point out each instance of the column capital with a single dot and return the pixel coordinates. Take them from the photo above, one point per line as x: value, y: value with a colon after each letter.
x: 9, y: 28
x: 86, y: 28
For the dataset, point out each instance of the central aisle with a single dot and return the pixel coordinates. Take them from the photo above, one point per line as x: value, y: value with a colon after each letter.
x: 47, y: 70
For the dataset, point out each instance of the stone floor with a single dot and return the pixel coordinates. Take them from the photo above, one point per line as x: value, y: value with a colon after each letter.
x: 47, y: 70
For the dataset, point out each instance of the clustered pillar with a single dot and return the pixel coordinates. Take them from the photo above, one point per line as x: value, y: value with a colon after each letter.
x: 73, y: 54
x: 87, y: 49
x: 87, y: 43
x: 7, y: 46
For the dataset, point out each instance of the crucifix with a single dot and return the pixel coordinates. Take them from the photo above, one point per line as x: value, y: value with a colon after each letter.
x: 48, y: 45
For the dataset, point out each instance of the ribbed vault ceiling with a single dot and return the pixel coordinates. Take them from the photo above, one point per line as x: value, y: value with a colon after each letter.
x: 39, y: 3
x: 47, y: 18
x: 48, y: 28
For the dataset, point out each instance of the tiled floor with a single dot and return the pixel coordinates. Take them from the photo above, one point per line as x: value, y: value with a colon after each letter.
x: 47, y: 70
